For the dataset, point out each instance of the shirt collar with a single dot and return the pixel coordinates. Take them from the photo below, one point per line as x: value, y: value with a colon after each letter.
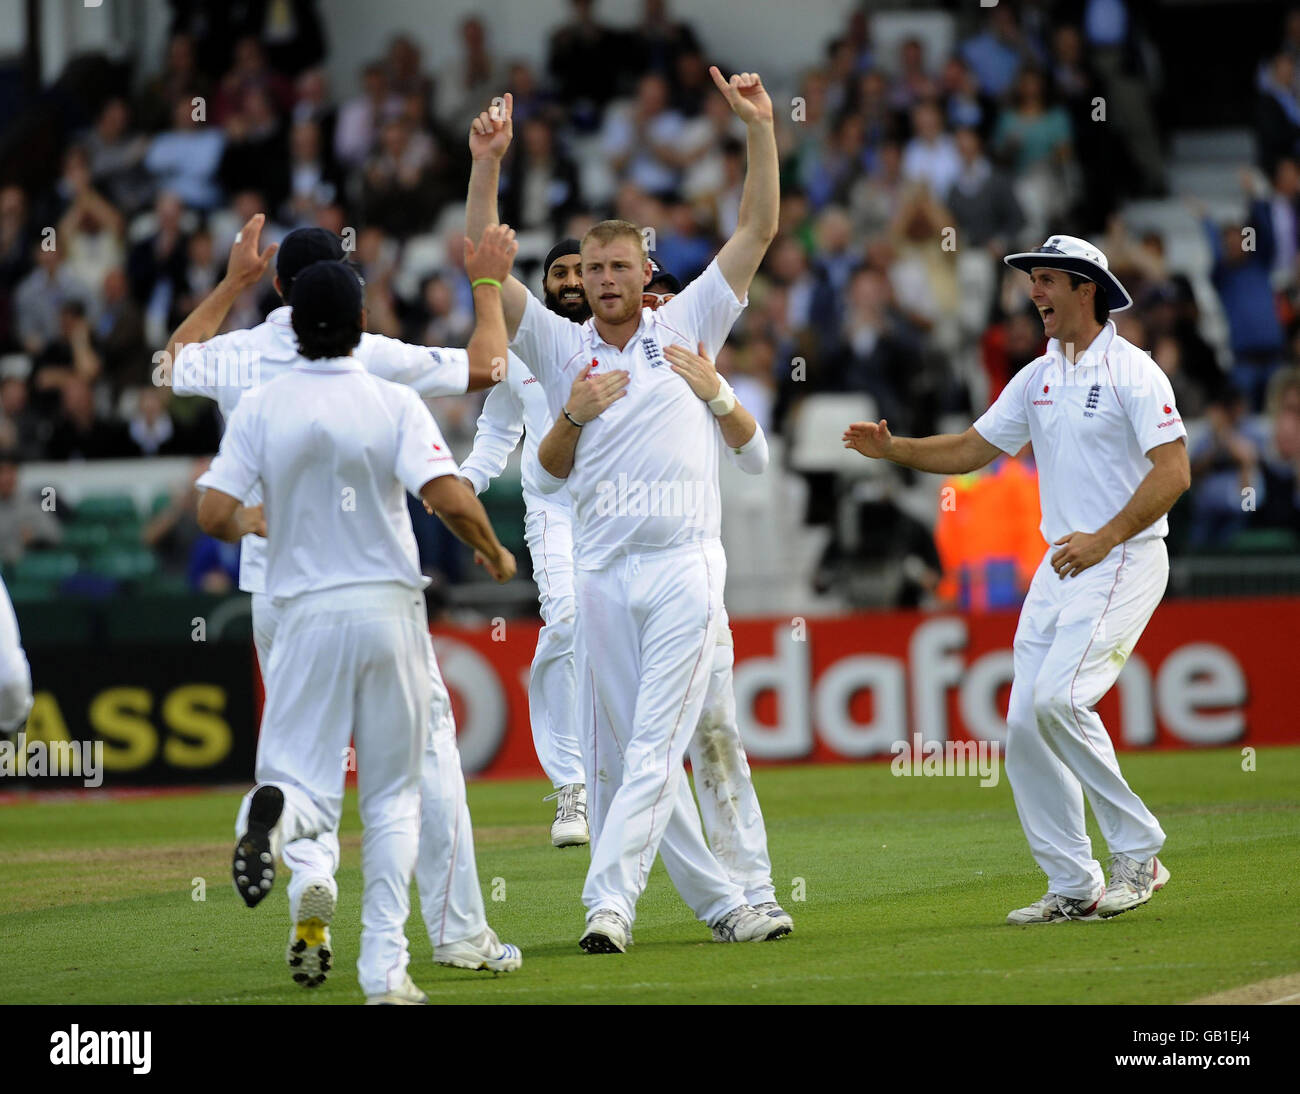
x: 329, y: 364
x: 1093, y: 355
x: 594, y: 339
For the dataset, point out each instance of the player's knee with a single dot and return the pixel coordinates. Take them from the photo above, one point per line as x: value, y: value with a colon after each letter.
x: 1053, y: 706
x: 15, y: 693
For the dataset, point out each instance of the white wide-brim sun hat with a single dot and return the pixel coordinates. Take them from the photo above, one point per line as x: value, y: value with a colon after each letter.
x: 1076, y: 256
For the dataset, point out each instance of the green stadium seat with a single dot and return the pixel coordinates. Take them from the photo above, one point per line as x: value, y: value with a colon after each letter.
x: 124, y: 563
x: 46, y: 566
x: 85, y: 537
x: 23, y: 591
x: 107, y: 509
x: 1264, y: 541
x: 160, y: 502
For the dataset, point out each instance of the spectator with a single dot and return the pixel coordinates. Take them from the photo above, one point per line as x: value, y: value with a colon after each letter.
x: 540, y: 190
x: 311, y: 103
x: 22, y: 430
x: 17, y: 238
x: 294, y: 39
x: 962, y: 106
x: 913, y: 84
x: 41, y: 296
x: 692, y: 86
x: 1284, y: 204
x: 361, y: 118
x: 660, y: 42
x: 250, y: 75
x: 25, y: 522
x: 406, y: 74
x: 117, y: 329
x: 1225, y: 465
x: 443, y: 321
x: 1281, y: 467
x: 468, y: 84
x: 997, y: 52
x: 583, y: 62
x: 398, y: 192
x: 116, y: 158
x: 835, y: 260
x: 640, y: 138
x: 706, y: 142
x: 1171, y: 311
x: 1101, y: 157
x: 179, y: 79
x: 156, y: 265
x: 874, y: 199
x: 1277, y: 114
x: 185, y: 159
x: 1030, y: 134
x: 150, y: 429
x: 831, y: 170
x: 1242, y: 278
x: 312, y: 180
x: 982, y: 201
x: 79, y: 433
x: 931, y: 155
x: 256, y: 148
x: 90, y: 231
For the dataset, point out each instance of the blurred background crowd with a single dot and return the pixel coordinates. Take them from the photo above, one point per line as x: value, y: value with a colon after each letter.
x: 911, y: 163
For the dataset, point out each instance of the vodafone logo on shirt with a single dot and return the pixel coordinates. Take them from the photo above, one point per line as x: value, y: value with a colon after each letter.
x: 1044, y: 402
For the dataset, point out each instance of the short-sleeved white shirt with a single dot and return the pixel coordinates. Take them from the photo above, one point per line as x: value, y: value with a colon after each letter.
x: 227, y: 367
x: 333, y: 449
x: 645, y: 474
x: 1091, y: 423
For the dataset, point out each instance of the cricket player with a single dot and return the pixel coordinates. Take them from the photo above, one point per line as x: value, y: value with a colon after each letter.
x: 225, y: 368
x: 648, y: 579
x: 517, y: 407
x: 733, y: 819
x: 1112, y: 459
x: 333, y: 447
x: 15, y: 673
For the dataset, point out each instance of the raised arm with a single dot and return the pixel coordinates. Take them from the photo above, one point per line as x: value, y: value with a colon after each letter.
x: 945, y: 454
x: 488, y: 267
x: 489, y: 138
x: 760, y: 199
x: 499, y: 428
x: 245, y: 269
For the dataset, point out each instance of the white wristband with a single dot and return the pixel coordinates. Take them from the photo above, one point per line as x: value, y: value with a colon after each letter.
x: 724, y: 402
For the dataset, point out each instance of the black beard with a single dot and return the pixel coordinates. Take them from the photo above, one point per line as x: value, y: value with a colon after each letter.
x: 577, y: 313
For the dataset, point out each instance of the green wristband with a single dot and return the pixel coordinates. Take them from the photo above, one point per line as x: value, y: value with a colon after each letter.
x: 485, y: 281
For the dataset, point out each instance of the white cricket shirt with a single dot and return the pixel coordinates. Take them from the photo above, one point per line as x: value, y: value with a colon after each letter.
x: 1091, y: 423
x: 227, y: 367
x: 645, y: 475
x: 334, y: 449
x: 515, y: 407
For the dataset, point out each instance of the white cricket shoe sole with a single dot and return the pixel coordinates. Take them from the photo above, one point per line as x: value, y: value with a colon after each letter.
x: 1053, y: 908
x: 309, y: 953
x: 486, y: 953
x: 253, y: 864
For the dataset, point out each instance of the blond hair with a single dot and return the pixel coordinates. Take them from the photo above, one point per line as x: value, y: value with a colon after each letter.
x: 609, y: 230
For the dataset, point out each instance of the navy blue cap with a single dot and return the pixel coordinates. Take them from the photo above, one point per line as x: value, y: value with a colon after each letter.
x: 325, y: 296
x: 300, y: 248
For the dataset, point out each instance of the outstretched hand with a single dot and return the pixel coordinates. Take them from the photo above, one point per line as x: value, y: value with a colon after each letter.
x: 246, y: 266
x: 872, y: 439
x: 490, y: 133
x: 493, y: 256
x: 745, y: 95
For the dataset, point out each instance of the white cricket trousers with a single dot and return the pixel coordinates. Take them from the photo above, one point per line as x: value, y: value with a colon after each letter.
x: 451, y: 902
x: 15, y: 673
x: 548, y: 531
x: 349, y: 665
x: 648, y: 625
x: 1073, y: 638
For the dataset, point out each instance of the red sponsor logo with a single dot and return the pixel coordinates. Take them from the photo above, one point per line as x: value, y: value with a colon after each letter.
x: 1042, y: 402
x: 1044, y: 389
x: 1168, y: 409
x: 1171, y: 421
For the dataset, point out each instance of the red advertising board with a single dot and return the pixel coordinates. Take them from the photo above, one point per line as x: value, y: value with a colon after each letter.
x: 1206, y: 672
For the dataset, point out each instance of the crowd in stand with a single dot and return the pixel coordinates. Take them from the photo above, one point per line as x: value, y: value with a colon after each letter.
x: 906, y: 177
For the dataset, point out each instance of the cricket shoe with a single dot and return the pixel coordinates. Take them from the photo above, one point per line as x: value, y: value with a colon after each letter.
x: 607, y: 932
x: 569, y: 829
x: 253, y: 865
x: 486, y: 952
x: 405, y: 995
x: 309, y: 953
x: 774, y: 911
x: 1132, y: 883
x: 1054, y: 908
x: 746, y: 924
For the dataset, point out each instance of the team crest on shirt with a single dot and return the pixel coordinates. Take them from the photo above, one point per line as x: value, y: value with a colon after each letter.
x: 1094, y: 396
x: 653, y: 352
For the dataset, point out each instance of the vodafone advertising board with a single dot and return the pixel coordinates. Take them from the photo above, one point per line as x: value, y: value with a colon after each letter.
x: 1205, y: 673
